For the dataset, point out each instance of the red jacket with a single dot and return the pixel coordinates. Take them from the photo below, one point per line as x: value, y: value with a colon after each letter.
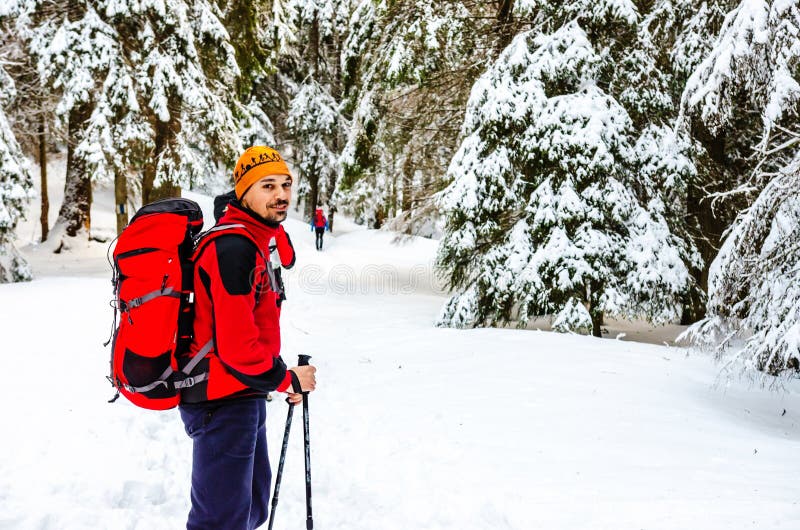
x: 237, y: 306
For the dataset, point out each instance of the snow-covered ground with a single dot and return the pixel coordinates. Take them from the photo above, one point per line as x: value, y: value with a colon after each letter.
x: 413, y: 427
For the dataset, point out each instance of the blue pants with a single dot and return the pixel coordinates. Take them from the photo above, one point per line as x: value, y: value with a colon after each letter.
x: 231, y: 475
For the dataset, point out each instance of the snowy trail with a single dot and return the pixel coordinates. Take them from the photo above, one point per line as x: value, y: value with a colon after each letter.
x: 413, y: 427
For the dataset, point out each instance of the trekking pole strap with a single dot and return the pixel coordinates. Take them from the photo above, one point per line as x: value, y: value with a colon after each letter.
x: 295, y: 383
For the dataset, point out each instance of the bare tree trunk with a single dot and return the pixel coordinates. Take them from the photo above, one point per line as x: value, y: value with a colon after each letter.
x: 313, y: 175
x: 408, y: 178
x: 313, y: 193
x: 166, y: 190
x: 121, y: 200
x: 149, y: 192
x: 594, y: 309
x: 710, y: 224
x: 148, y: 178
x: 45, y: 214
x: 75, y: 211
x: 597, y: 323
x: 391, y: 207
x: 313, y: 43
x: 505, y: 10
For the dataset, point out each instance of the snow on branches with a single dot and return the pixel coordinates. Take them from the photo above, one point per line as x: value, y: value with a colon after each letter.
x: 752, y: 70
x: 152, y: 76
x: 15, y: 190
x: 758, y: 52
x: 543, y: 214
x: 313, y: 119
x: 754, y: 304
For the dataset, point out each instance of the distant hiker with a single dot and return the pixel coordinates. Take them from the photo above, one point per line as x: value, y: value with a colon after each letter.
x: 319, y: 224
x: 237, y: 311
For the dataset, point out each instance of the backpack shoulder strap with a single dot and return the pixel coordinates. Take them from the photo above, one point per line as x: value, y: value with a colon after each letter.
x: 239, y: 230
x: 220, y: 230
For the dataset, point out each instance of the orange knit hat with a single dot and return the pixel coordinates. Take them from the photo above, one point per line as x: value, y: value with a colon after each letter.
x: 256, y: 163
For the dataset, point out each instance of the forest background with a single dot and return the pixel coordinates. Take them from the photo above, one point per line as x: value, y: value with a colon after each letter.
x: 581, y: 160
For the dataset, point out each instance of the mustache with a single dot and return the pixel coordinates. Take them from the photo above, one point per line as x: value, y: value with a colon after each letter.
x: 280, y: 203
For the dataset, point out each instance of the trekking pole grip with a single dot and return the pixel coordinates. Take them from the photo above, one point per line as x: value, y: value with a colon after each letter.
x: 302, y: 360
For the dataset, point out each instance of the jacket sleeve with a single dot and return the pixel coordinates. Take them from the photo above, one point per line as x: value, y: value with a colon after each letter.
x: 236, y: 333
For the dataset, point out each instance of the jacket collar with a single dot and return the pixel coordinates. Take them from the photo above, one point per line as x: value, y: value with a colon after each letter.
x: 261, y: 229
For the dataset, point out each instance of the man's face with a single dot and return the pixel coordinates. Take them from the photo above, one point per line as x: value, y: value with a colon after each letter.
x: 270, y: 197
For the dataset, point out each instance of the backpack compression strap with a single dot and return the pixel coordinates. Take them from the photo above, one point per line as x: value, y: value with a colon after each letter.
x: 136, y: 302
x: 187, y: 381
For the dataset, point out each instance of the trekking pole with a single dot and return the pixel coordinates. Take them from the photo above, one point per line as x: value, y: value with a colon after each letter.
x: 303, y: 361
x: 280, y: 464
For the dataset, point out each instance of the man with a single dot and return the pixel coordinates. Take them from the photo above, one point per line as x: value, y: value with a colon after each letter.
x: 319, y: 224
x: 237, y: 310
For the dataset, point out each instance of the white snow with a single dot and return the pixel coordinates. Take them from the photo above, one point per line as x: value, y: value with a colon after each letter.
x: 412, y: 426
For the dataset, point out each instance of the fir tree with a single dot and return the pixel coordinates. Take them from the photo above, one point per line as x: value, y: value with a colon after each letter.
x: 15, y: 190
x: 408, y: 66
x: 754, y: 64
x: 313, y: 121
x: 753, y: 318
x: 32, y: 116
x: 143, y: 87
x: 541, y: 214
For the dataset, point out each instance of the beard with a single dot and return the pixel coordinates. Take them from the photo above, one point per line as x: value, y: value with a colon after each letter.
x: 277, y: 217
x: 270, y: 215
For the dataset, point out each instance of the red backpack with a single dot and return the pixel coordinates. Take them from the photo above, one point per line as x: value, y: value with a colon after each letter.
x: 153, y: 292
x: 319, y: 219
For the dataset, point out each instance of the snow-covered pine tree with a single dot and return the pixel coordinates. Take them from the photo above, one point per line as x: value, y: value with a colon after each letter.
x: 408, y: 69
x: 282, y: 39
x: 690, y: 28
x: 312, y: 74
x: 147, y: 90
x: 69, y: 45
x: 687, y: 30
x: 755, y: 64
x: 647, y: 48
x: 32, y: 117
x: 754, y: 305
x: 360, y: 189
x: 186, y: 74
x: 255, y: 125
x: 15, y: 190
x: 250, y: 27
x: 313, y: 123
x: 648, y: 81
x: 541, y: 215
x: 755, y: 57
